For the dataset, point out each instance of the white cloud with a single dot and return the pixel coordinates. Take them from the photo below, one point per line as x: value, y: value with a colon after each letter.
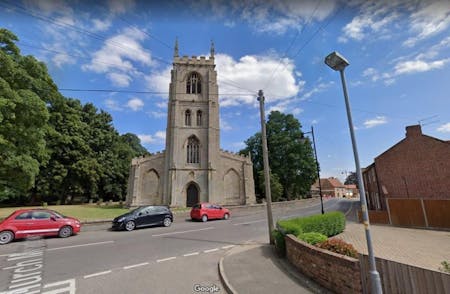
x: 273, y: 16
x: 445, y: 128
x: 157, y: 114
x: 119, y: 56
x: 158, y: 138
x: 119, y: 79
x: 238, y: 145
x: 246, y: 75
x: 418, y: 66
x: 379, y: 120
x: 135, y: 104
x: 374, y: 17
x: 161, y: 104
x: 120, y: 6
x: 431, y: 19
x: 224, y: 125
x: 101, y: 25
x: 317, y: 89
x: 112, y: 105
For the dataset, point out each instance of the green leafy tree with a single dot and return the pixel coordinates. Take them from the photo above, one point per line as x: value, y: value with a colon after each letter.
x: 352, y: 179
x: 276, y: 189
x: 291, y: 156
x: 23, y: 119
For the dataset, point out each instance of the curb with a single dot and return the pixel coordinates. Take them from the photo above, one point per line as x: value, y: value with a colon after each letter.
x: 223, y: 277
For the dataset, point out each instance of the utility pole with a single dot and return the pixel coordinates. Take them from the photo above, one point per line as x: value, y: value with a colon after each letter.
x: 318, y: 171
x: 266, y: 165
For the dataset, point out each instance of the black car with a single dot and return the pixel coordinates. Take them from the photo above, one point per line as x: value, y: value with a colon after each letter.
x: 143, y: 216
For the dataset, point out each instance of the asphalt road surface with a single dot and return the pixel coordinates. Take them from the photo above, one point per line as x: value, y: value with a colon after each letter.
x: 180, y: 259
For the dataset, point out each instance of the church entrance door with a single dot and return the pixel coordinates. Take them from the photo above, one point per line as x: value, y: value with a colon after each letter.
x: 192, y: 195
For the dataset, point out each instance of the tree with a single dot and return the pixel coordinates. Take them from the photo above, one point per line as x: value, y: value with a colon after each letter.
x: 276, y: 189
x: 23, y: 119
x: 291, y: 157
x: 352, y: 179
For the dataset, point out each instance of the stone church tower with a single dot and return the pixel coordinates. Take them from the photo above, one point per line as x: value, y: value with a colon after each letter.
x: 192, y: 168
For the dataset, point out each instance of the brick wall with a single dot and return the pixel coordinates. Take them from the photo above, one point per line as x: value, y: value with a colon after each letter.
x: 339, y: 273
x: 416, y: 167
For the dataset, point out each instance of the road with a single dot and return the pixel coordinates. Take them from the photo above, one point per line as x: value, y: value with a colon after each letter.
x: 179, y: 259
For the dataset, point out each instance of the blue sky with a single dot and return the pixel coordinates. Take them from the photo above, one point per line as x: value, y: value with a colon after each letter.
x: 399, y: 73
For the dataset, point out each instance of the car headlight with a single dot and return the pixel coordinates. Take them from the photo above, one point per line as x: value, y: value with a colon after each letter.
x: 120, y: 219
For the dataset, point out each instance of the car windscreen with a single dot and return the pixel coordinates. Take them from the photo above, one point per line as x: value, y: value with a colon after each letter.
x: 197, y: 206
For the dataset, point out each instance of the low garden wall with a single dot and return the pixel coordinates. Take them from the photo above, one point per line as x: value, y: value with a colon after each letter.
x: 337, y: 272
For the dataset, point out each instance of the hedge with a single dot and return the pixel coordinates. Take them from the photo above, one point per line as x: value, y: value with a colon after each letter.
x: 312, y: 238
x: 328, y: 224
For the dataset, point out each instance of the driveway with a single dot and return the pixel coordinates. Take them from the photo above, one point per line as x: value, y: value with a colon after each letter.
x: 417, y: 247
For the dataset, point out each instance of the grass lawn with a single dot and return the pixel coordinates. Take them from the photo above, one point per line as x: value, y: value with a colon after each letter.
x: 81, y: 212
x: 87, y: 212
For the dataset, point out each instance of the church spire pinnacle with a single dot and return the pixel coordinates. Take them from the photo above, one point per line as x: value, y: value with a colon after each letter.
x: 175, y: 50
x: 212, y: 48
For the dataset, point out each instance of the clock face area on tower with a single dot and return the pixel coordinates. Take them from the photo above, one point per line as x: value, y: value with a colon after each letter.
x: 192, y: 168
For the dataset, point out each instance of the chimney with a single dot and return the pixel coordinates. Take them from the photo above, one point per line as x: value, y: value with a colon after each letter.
x: 413, y: 131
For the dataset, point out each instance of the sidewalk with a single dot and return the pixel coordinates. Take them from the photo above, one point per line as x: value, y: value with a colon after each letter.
x: 256, y: 268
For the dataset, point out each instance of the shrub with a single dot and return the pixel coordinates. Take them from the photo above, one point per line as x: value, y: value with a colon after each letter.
x: 280, y: 243
x: 445, y: 266
x: 328, y: 224
x: 289, y: 227
x: 339, y: 246
x: 312, y: 238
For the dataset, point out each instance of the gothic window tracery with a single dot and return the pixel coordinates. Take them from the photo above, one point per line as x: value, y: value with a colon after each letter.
x: 193, y: 84
x: 193, y: 150
x: 199, y: 118
x: 187, y: 118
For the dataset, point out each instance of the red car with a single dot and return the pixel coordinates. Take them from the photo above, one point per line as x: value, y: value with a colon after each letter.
x: 37, y: 222
x: 206, y: 211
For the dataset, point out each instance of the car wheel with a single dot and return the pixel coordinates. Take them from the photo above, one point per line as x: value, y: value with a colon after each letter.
x: 167, y: 222
x: 226, y: 216
x: 130, y: 225
x: 65, y: 232
x: 204, y: 218
x: 6, y: 237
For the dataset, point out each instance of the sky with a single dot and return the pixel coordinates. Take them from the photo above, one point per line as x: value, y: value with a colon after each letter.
x: 118, y: 56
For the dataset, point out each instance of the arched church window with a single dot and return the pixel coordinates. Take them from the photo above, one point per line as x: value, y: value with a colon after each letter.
x: 193, y: 84
x: 187, y: 118
x: 199, y: 118
x: 193, y: 150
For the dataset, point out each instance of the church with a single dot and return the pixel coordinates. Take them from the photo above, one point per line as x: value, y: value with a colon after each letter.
x: 192, y: 168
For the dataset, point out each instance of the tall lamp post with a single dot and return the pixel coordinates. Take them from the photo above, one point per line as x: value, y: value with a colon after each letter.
x: 317, y: 167
x: 266, y: 166
x: 338, y: 63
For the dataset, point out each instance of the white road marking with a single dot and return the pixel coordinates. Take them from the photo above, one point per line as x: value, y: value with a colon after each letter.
x: 211, y: 250
x: 190, y: 254
x: 257, y: 221
x: 350, y: 209
x: 226, y: 247
x: 166, y: 259
x: 135, y: 265
x: 97, y: 274
x: 81, y: 245
x: 69, y: 287
x: 182, y: 232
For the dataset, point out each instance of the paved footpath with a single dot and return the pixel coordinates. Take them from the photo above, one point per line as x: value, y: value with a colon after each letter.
x: 417, y: 247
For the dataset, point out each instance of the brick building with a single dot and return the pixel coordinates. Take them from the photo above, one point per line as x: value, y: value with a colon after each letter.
x: 416, y: 167
x: 332, y: 187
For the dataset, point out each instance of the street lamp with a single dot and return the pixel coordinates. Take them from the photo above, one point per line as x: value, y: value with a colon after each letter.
x: 339, y: 63
x: 317, y: 167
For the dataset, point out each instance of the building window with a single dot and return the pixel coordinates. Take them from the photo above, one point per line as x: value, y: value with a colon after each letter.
x: 187, y: 118
x: 193, y: 150
x: 199, y: 118
x: 193, y: 84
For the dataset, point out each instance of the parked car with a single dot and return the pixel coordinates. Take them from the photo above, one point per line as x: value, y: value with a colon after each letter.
x: 37, y: 222
x: 143, y: 216
x: 206, y: 211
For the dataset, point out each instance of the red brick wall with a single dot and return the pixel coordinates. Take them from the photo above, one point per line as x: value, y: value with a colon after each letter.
x: 339, y: 273
x: 417, y: 167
